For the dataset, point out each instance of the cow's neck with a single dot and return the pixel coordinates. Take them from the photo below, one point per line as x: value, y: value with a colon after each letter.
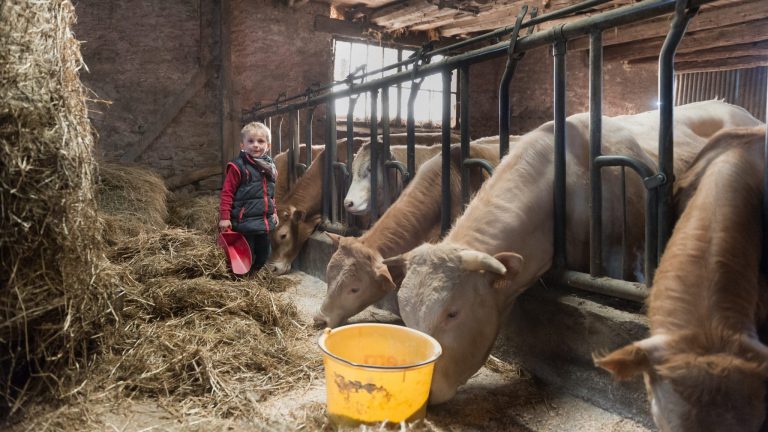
x: 513, y: 211
x: 707, y: 282
x: 305, y: 193
x: 408, y: 221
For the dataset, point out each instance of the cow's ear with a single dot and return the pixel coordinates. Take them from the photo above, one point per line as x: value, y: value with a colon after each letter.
x: 335, y: 238
x: 384, y: 278
x: 633, y: 359
x: 315, y: 221
x: 512, y: 262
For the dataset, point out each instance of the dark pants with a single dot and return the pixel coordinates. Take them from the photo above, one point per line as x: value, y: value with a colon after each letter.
x: 260, y: 249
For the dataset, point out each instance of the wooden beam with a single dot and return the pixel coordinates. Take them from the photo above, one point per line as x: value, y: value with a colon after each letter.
x: 339, y: 27
x: 759, y: 48
x: 739, y: 34
x: 721, y: 64
x: 387, y: 15
x: 711, y: 18
x: 498, y: 17
x: 169, y: 111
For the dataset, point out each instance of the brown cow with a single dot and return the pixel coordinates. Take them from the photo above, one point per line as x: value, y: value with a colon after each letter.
x: 356, y: 276
x: 704, y: 366
x: 299, y: 213
x: 281, y: 163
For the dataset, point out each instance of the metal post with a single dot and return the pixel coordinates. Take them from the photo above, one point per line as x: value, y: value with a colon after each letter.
x: 385, y: 153
x: 558, y: 51
x: 374, y: 157
x: 666, y: 105
x: 293, y: 146
x: 445, y: 216
x: 595, y: 150
x: 330, y: 156
x: 506, y: 79
x: 410, y: 130
x: 464, y: 124
x: 310, y: 120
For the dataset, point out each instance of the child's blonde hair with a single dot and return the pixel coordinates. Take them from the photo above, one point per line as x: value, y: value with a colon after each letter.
x: 253, y: 127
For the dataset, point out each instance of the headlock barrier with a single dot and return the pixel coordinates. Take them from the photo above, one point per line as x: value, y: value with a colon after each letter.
x: 658, y: 180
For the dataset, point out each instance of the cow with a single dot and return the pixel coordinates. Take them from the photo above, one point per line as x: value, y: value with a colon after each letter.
x: 355, y: 274
x: 359, y: 193
x: 281, y: 163
x: 703, y: 364
x: 460, y: 289
x: 299, y: 214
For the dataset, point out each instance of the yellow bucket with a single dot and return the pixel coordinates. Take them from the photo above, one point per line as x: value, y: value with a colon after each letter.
x: 377, y: 372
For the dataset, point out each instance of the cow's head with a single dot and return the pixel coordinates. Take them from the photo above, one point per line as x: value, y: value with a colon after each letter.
x: 356, y: 277
x: 458, y: 296
x: 696, y: 391
x: 358, y: 196
x: 288, y: 237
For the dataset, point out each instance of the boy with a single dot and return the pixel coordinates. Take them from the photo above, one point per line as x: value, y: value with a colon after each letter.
x: 247, y: 195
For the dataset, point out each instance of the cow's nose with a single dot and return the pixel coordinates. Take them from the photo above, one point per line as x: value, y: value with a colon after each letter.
x: 271, y: 267
x: 349, y: 203
x: 320, y: 321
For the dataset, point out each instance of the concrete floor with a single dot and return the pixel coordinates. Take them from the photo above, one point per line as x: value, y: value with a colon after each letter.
x: 500, y: 397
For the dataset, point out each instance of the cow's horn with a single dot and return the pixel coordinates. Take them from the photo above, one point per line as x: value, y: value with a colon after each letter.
x: 476, y: 261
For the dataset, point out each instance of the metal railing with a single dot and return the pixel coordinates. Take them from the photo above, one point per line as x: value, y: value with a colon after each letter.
x: 657, y: 180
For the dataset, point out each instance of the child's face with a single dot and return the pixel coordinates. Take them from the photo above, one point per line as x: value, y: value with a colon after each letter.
x: 255, y: 143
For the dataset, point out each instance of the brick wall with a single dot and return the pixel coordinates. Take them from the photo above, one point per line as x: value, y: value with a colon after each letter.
x: 141, y: 54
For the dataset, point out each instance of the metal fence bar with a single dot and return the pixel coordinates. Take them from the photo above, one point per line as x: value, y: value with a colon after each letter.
x: 666, y: 106
x: 464, y: 126
x: 558, y: 50
x: 445, y: 216
x: 375, y: 165
x: 595, y: 150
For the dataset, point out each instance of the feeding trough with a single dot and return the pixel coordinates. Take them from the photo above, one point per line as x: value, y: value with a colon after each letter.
x: 377, y: 372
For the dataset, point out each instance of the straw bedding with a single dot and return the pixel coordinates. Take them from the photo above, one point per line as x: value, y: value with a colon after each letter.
x: 101, y: 302
x: 199, y: 213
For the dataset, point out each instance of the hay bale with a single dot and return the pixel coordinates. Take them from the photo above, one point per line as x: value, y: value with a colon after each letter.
x: 194, y: 212
x: 132, y: 193
x: 55, y: 300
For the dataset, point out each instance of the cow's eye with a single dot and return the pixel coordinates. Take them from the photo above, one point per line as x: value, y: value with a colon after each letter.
x: 283, y: 236
x: 354, y: 290
x: 452, y: 314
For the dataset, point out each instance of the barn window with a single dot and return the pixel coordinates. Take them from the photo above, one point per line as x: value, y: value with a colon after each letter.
x: 349, y: 56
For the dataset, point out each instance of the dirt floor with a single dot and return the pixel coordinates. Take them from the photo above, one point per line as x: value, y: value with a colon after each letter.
x: 500, y: 397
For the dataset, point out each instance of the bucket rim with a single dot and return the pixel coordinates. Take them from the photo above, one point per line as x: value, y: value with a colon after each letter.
x: 433, y: 341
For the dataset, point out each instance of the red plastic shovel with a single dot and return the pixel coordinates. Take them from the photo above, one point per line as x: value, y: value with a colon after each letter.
x: 238, y: 252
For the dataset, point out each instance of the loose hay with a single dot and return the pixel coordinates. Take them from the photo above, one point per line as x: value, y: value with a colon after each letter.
x: 54, y: 295
x: 194, y: 212
x: 172, y: 252
x: 132, y: 193
x: 217, y: 345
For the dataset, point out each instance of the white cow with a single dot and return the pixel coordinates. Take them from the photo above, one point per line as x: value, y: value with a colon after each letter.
x: 459, y: 290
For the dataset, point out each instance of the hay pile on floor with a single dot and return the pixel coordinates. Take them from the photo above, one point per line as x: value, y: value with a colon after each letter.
x: 219, y: 346
x: 55, y: 287
x: 131, y: 200
x: 194, y: 212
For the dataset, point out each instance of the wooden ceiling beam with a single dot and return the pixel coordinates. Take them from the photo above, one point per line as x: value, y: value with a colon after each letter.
x: 720, y: 64
x: 499, y: 17
x: 749, y: 32
x: 714, y: 17
x: 418, y: 19
x: 389, y: 14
